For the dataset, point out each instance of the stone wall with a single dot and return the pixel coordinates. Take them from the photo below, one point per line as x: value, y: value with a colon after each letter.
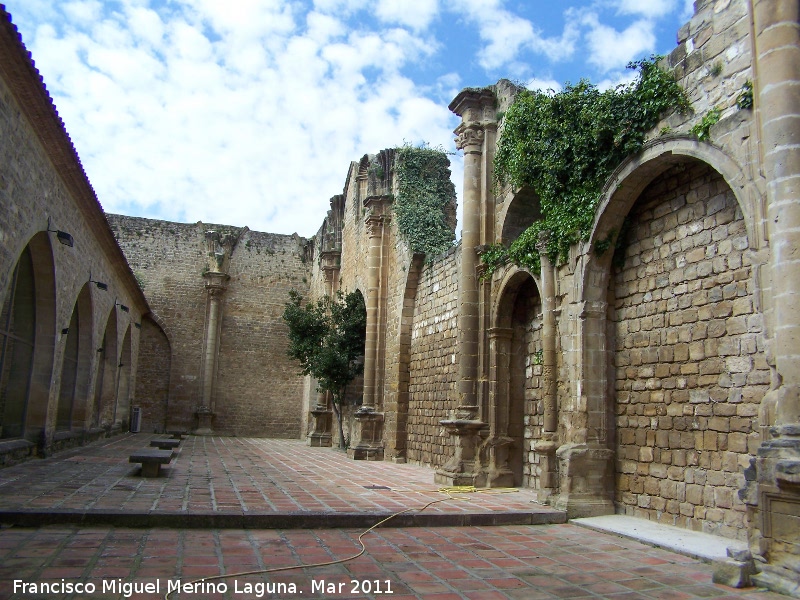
x: 433, y: 368
x: 152, y: 382
x: 690, y: 366
x: 257, y: 390
x: 43, y: 189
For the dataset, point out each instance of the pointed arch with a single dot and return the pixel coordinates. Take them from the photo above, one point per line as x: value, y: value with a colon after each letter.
x: 75, y: 366
x: 105, y: 384
x: 27, y: 335
x: 123, y: 403
x: 518, y: 213
x: 514, y: 343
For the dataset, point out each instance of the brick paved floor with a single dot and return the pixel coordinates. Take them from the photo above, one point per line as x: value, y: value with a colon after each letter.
x: 435, y: 563
x: 218, y: 475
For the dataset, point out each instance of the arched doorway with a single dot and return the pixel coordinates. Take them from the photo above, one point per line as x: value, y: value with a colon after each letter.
x: 515, y: 412
x: 688, y: 370
x: 123, y: 404
x: 106, y: 385
x: 72, y: 396
x: 27, y: 341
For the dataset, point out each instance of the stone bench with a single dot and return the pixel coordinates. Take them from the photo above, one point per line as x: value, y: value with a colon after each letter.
x: 178, y: 434
x: 165, y: 443
x: 151, y: 460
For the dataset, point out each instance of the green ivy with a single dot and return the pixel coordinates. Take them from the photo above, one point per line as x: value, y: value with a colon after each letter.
x: 424, y: 193
x: 701, y: 130
x: 565, y: 145
x: 745, y: 98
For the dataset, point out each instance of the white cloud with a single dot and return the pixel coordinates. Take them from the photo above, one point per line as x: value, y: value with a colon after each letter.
x: 688, y: 10
x: 506, y: 34
x: 417, y: 14
x: 611, y: 49
x: 646, y: 8
x: 544, y: 85
x: 247, y: 118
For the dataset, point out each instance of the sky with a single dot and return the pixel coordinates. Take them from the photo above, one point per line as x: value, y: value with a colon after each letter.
x: 249, y: 112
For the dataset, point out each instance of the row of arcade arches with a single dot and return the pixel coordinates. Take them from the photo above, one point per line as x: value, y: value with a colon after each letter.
x: 56, y: 378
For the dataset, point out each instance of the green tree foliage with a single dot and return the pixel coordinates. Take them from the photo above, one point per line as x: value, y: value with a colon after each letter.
x: 327, y: 338
x: 565, y: 145
x: 424, y: 193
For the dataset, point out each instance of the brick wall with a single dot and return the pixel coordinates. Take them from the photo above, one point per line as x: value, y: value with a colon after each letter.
x: 433, y: 355
x: 690, y: 368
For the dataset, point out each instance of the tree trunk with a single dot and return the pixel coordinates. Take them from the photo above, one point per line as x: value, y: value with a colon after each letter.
x: 337, y: 410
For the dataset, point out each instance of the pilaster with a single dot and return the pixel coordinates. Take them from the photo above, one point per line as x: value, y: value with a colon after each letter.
x: 368, y: 434
x: 477, y: 111
x: 773, y: 481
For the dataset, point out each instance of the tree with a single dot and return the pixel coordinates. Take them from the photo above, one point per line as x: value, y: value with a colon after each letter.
x: 327, y: 338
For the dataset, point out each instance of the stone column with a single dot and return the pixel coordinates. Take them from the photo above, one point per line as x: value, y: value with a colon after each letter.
x: 774, y: 488
x: 471, y: 105
x: 215, y: 288
x: 586, y: 464
x: 218, y: 257
x: 549, y: 364
x: 546, y: 445
x: 499, y: 473
x: 368, y: 432
x: 322, y: 414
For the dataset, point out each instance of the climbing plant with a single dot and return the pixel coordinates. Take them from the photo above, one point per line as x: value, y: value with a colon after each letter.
x: 424, y: 195
x: 565, y: 145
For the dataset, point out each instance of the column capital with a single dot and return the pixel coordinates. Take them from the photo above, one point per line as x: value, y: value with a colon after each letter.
x: 469, y: 137
x: 216, y: 283
x: 541, y: 243
x: 473, y: 104
x: 375, y: 224
x: 504, y: 333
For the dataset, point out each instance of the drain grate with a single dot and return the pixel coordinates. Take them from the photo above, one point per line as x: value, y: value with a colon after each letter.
x: 376, y: 487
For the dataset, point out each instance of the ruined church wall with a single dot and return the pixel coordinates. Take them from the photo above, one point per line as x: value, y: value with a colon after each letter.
x: 258, y: 390
x: 433, y: 355
x: 689, y: 360
x: 42, y: 184
x: 258, y: 386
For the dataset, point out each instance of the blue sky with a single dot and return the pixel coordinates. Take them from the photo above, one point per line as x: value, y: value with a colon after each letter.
x: 249, y: 112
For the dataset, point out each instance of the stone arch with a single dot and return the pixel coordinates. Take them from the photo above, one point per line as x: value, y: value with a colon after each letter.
x: 27, y: 334
x: 76, y: 365
x: 512, y: 340
x: 397, y: 434
x: 634, y: 174
x: 105, y: 389
x: 123, y: 403
x: 668, y: 339
x: 518, y: 213
x: 619, y: 194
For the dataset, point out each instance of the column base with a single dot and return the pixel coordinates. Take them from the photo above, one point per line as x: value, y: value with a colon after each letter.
x: 499, y: 474
x: 587, y: 481
x: 320, y: 435
x: 773, y: 488
x: 369, y: 432
x: 545, y: 449
x: 464, y: 468
x: 204, y: 422
x: 319, y: 440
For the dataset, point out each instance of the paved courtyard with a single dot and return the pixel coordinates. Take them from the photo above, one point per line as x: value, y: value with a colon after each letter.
x: 66, y: 533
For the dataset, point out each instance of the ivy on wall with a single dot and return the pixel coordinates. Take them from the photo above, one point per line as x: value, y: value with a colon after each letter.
x: 565, y: 145
x: 424, y: 196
